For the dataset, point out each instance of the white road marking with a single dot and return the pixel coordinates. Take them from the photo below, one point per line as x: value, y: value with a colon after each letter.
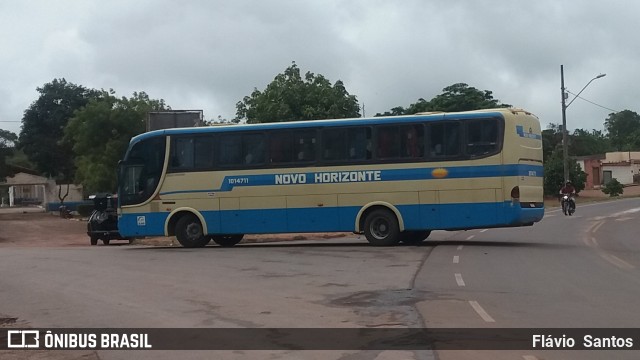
x: 483, y: 230
x: 459, y: 280
x: 617, y: 261
x: 618, y: 214
x: 483, y: 314
x: 624, y: 219
x: 471, y: 237
x: 456, y: 259
x: 597, y: 226
x: 460, y: 247
x: 529, y: 357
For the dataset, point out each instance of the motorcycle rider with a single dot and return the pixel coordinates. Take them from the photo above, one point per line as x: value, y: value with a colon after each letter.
x: 570, y: 190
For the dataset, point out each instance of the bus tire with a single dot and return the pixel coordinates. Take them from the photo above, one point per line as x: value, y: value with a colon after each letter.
x: 189, y: 232
x: 227, y: 240
x: 414, y: 237
x: 381, y: 228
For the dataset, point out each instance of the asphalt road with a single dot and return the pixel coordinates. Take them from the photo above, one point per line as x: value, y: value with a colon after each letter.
x: 565, y: 272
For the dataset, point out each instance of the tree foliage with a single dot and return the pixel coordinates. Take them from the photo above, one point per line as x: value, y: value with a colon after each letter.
x: 7, y: 144
x: 291, y: 97
x: 551, y: 140
x: 554, y: 174
x: 456, y: 97
x: 583, y: 142
x: 43, y: 126
x: 623, y: 130
x: 101, y: 132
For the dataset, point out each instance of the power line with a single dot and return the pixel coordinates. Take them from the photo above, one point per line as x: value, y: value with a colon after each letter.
x: 591, y: 102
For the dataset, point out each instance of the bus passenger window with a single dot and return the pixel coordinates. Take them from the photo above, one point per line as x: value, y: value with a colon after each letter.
x: 412, y: 138
x: 203, y: 158
x: 388, y: 142
x: 482, y: 137
x: 230, y: 150
x: 253, y: 148
x: 305, y: 145
x: 334, y: 144
x: 359, y: 143
x: 281, y: 147
x: 182, y: 154
x: 444, y: 139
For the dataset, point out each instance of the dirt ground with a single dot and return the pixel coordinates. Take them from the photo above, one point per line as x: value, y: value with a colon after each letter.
x: 29, y: 228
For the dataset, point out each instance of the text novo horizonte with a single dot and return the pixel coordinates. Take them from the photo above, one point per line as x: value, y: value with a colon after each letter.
x: 329, y: 177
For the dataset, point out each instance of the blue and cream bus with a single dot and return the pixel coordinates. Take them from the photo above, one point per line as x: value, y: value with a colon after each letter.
x: 394, y: 179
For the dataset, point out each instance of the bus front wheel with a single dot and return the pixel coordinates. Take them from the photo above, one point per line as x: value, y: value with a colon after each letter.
x: 189, y: 232
x: 381, y: 228
x: 227, y: 240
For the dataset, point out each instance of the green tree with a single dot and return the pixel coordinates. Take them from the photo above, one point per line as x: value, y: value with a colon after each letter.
x: 456, y: 97
x: 101, y: 132
x: 551, y: 140
x: 583, y: 142
x: 290, y: 97
x: 43, y: 126
x: 7, y: 144
x: 623, y: 130
x: 554, y: 174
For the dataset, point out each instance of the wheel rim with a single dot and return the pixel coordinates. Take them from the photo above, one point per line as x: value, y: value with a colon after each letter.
x: 194, y: 231
x: 380, y: 228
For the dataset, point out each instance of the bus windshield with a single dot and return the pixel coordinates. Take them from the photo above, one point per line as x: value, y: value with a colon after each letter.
x: 140, y: 172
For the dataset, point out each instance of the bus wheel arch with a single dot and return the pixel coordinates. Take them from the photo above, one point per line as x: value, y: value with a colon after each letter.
x: 185, y: 224
x: 381, y: 224
x: 367, y: 209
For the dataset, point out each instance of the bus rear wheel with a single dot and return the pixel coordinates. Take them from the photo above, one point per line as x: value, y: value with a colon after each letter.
x: 189, y: 232
x: 381, y: 228
x: 414, y: 237
x: 227, y: 240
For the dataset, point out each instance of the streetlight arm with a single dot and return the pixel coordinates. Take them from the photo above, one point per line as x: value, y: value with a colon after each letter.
x: 580, y: 92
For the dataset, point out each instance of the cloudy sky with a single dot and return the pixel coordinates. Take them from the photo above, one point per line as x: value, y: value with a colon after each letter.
x: 209, y: 54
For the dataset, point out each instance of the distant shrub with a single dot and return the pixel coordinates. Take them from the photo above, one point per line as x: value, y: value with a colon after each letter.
x: 613, y: 188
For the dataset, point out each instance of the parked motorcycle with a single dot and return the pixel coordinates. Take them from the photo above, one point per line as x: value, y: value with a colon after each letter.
x: 568, y: 204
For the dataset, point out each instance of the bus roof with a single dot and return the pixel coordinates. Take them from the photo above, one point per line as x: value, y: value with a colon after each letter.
x: 429, y: 116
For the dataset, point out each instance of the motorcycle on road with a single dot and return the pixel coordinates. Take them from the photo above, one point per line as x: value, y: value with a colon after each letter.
x: 568, y: 204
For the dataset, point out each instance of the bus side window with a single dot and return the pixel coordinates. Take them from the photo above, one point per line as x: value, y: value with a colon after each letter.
x: 388, y: 142
x: 182, y: 154
x: 230, y: 151
x: 253, y: 148
x: 304, y: 145
x: 203, y: 157
x: 359, y: 143
x: 444, y: 139
x: 482, y: 137
x: 412, y: 141
x: 281, y: 147
x: 333, y: 144
x: 453, y: 139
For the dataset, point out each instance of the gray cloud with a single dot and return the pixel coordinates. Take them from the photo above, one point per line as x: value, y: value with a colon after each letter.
x: 209, y: 54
